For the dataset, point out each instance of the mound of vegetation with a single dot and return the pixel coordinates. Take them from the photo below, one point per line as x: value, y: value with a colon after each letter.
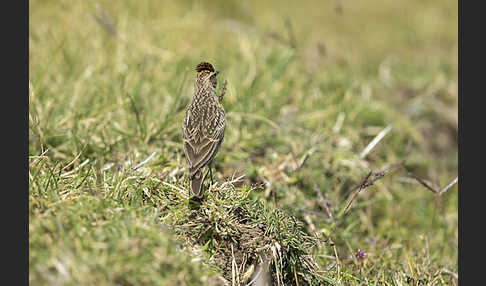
x: 242, y: 237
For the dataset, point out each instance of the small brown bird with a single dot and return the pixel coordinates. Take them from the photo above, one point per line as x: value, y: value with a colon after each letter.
x: 203, y: 126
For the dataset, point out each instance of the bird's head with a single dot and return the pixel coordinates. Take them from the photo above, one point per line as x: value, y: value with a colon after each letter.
x: 206, y: 75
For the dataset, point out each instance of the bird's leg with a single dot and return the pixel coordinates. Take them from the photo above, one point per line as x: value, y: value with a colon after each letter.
x: 211, y: 173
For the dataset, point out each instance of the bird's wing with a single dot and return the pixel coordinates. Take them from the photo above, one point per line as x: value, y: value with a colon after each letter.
x: 202, y: 139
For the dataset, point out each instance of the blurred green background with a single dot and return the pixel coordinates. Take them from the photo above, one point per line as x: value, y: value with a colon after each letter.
x: 311, y: 81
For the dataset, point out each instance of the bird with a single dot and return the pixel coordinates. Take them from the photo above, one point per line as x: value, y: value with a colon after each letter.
x: 203, y: 126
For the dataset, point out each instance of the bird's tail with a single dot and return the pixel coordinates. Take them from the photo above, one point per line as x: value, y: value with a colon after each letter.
x: 197, y: 180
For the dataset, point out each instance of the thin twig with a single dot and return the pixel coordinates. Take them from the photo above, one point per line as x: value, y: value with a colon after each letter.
x: 322, y: 202
x: 371, y: 178
x: 355, y: 193
x: 380, y: 173
x: 337, y: 259
x: 375, y: 141
x: 424, y: 183
x: 223, y: 91
x: 149, y: 158
x: 448, y: 186
x: 233, y: 180
x: 76, y: 169
x: 234, y: 268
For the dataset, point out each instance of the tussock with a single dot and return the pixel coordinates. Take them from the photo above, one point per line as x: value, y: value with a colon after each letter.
x: 237, y: 234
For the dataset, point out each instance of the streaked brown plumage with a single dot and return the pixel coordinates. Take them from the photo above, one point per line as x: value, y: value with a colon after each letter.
x: 203, y: 126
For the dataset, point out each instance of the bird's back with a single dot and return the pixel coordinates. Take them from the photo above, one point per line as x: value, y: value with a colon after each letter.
x: 203, y: 131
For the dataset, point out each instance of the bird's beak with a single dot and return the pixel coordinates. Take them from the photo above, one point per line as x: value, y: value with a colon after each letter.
x: 216, y: 73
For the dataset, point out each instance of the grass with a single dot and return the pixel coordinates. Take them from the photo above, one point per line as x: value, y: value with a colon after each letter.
x: 310, y: 85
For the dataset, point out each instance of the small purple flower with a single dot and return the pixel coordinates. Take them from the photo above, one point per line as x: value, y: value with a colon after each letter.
x: 361, y: 254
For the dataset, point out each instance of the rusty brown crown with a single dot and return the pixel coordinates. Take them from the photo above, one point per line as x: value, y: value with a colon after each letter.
x: 204, y: 66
